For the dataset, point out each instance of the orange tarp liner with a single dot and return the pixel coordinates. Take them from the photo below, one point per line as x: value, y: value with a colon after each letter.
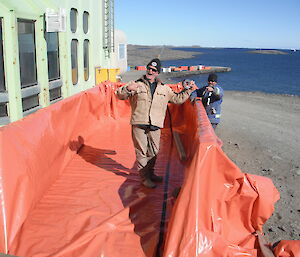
x: 69, y: 186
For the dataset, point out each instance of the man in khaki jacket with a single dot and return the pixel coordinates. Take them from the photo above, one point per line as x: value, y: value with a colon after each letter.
x: 149, y: 99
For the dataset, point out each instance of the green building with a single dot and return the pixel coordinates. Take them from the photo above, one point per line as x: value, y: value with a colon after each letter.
x: 52, y: 49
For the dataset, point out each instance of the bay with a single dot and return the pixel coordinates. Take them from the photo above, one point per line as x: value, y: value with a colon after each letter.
x: 268, y: 73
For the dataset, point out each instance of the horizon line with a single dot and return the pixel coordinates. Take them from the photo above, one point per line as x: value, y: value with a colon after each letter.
x: 198, y: 46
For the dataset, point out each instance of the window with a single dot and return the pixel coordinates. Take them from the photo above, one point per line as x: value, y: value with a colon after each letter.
x: 2, y: 81
x: 30, y: 102
x: 73, y: 20
x: 86, y: 58
x: 121, y: 51
x: 85, y: 22
x: 53, y: 65
x: 52, y: 54
x: 26, y: 38
x: 3, y: 110
x: 55, y: 93
x: 74, y: 60
x: 27, y: 60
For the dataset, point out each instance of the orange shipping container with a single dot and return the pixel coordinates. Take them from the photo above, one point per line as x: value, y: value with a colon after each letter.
x: 193, y: 68
x: 183, y: 67
x: 140, y: 68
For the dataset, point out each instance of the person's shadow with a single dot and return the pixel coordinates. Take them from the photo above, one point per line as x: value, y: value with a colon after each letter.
x: 143, y: 212
x: 98, y: 157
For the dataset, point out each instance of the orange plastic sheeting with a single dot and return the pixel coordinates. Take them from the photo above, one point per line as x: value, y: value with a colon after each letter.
x: 69, y: 186
x: 34, y: 152
x: 97, y: 206
x: 288, y: 248
x: 219, y: 208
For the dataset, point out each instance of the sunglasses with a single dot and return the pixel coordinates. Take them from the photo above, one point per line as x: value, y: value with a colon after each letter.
x: 154, y: 70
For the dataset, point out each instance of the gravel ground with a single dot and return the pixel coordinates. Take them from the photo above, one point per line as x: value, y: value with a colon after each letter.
x: 260, y: 133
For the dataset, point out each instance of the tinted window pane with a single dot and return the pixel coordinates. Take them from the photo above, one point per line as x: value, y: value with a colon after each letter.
x: 30, y: 102
x: 121, y: 51
x: 85, y: 22
x: 52, y: 54
x: 3, y: 110
x: 2, y: 81
x: 73, y: 20
x: 27, y: 53
x: 55, y: 93
x: 86, y: 59
x: 74, y: 59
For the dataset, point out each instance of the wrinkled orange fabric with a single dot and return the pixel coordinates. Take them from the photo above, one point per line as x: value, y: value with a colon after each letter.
x: 69, y: 186
x: 224, y: 206
x: 288, y: 248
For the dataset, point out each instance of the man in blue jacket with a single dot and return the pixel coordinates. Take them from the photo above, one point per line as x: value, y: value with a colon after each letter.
x: 212, y: 97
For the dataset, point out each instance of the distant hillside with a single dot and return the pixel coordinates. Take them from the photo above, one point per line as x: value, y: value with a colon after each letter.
x: 141, y: 55
x: 267, y: 52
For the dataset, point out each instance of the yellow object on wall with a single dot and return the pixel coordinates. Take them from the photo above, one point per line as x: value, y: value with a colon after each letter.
x: 101, y: 75
x: 112, y: 74
x: 106, y: 74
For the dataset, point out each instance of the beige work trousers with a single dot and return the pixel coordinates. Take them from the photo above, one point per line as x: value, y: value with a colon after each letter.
x: 146, y: 144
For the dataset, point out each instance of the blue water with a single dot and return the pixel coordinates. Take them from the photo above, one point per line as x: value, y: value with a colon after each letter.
x: 269, y: 73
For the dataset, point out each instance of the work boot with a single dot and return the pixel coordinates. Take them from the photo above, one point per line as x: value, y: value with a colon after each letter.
x: 148, y: 183
x: 145, y: 175
x: 156, y: 178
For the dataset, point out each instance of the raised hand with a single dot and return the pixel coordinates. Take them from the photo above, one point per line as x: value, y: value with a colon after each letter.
x: 210, y: 89
x: 133, y: 87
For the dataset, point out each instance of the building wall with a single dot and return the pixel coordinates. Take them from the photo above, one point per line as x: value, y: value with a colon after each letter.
x: 33, y: 10
x: 119, y: 58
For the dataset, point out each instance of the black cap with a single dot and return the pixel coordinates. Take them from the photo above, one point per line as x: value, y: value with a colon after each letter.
x: 155, y: 63
x: 213, y: 77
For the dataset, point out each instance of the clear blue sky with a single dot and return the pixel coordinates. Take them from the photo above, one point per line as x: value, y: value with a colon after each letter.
x: 220, y: 23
